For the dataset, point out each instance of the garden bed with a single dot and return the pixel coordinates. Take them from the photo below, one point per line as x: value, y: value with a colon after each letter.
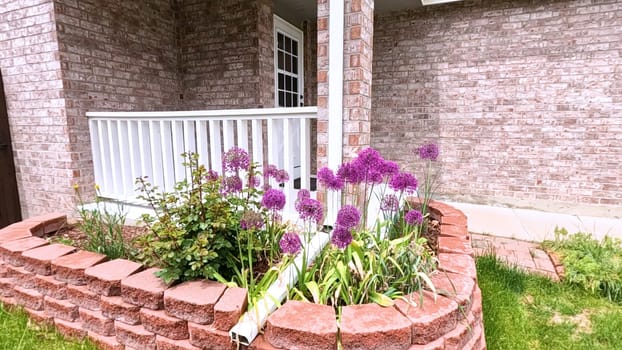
x: 120, y: 304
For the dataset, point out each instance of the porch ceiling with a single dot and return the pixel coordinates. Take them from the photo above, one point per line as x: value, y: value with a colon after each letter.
x: 296, y: 11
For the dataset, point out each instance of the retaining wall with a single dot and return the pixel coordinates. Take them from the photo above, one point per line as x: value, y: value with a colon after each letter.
x: 120, y: 304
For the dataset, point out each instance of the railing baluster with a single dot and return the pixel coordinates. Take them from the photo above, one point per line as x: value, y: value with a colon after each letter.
x: 202, y: 144
x: 168, y: 160
x: 305, y: 153
x: 228, y: 135
x: 113, y: 151
x: 145, y: 145
x: 124, y: 159
x: 215, y: 148
x: 177, y: 129
x: 96, y: 147
x: 242, y: 126
x: 157, y: 170
x: 272, y: 149
x: 136, y: 155
x: 257, y: 140
x: 288, y: 161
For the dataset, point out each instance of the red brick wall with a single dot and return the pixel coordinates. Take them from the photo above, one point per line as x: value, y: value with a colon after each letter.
x: 30, y: 66
x: 118, y: 56
x: 524, y: 97
x: 221, y: 46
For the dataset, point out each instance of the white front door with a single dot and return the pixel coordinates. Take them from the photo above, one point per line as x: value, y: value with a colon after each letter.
x: 288, y: 79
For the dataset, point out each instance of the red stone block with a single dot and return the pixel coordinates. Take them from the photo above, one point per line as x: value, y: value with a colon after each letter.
x: 6, y: 287
x: 260, y: 343
x: 83, y: 297
x: 118, y: 310
x: 158, y: 322
x: 70, y: 268
x: 208, y: 337
x: 69, y: 329
x: 370, y: 326
x: 144, y: 289
x: 457, y: 287
x: 229, y: 308
x: 21, y: 276
x: 454, y: 231
x: 94, y: 321
x: 105, y: 278
x: 194, y: 301
x: 476, y: 308
x: 105, y: 343
x: 39, y: 260
x: 8, y: 302
x: 302, y: 325
x: 438, y: 344
x: 62, y: 309
x: 40, y: 317
x: 431, y: 316
x: 134, y: 336
x: 454, y: 245
x: 458, y: 337
x: 460, y: 221
x: 457, y: 263
x: 3, y: 268
x: 29, y: 298
x: 11, y: 252
x: 12, y: 233
x: 48, y: 285
x: 45, y: 224
x: 164, y: 343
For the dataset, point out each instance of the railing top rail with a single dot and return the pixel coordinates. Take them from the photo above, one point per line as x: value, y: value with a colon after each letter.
x: 251, y: 113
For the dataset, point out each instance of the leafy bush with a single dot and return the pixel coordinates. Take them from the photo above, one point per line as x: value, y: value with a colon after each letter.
x: 363, y: 265
x: 212, y: 226
x: 103, y: 227
x: 594, y: 265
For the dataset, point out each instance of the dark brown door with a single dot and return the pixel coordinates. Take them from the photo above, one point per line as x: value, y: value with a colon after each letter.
x: 9, y: 200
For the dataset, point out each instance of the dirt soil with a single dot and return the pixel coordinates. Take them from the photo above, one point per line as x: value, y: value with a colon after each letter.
x: 72, y: 234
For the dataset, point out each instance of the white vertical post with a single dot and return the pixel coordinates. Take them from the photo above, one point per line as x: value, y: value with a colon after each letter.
x: 156, y: 153
x: 288, y: 163
x: 242, y: 129
x: 258, y: 141
x: 305, y: 153
x: 135, y: 151
x: 144, y: 145
x: 228, y: 135
x: 96, y: 149
x: 126, y: 165
x: 113, y: 153
x: 335, y: 97
x: 272, y: 149
x: 177, y: 129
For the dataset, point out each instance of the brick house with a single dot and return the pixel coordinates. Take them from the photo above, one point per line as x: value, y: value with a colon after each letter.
x: 524, y: 97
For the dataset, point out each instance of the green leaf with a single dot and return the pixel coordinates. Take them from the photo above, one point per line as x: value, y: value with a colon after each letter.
x: 314, y: 289
x: 381, y: 299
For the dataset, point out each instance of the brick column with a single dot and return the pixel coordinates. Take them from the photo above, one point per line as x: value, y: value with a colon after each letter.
x: 358, y: 44
x: 357, y: 78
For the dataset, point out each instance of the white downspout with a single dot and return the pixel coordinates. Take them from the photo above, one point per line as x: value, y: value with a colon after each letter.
x: 254, y: 319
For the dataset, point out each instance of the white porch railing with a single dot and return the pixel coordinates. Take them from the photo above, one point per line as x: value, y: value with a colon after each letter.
x: 127, y: 145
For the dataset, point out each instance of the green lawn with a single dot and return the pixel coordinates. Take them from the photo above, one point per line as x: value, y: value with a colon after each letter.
x: 17, y: 332
x: 523, y: 311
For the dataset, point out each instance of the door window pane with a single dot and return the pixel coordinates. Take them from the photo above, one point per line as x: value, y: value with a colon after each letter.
x: 280, y: 40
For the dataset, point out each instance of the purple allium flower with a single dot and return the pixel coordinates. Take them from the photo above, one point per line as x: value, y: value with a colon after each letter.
x: 303, y: 194
x: 349, y: 172
x: 233, y: 184
x: 368, y: 165
x: 389, y: 168
x: 254, y: 182
x: 413, y: 217
x: 403, y: 182
x: 342, y: 237
x: 328, y: 179
x: 428, y: 151
x: 236, y: 159
x: 290, y: 243
x: 251, y: 220
x: 271, y: 170
x: 348, y: 217
x: 273, y: 199
x: 310, y: 209
x: 281, y: 176
x: 389, y: 203
x: 212, y: 175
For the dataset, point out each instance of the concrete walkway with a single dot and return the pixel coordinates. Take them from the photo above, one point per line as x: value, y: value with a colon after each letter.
x: 534, y: 225
x: 524, y: 255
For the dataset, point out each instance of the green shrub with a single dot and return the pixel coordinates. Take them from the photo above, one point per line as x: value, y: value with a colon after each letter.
x: 211, y: 226
x: 103, y: 228
x: 592, y: 264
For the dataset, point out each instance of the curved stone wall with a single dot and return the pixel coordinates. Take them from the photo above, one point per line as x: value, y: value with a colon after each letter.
x: 119, y: 304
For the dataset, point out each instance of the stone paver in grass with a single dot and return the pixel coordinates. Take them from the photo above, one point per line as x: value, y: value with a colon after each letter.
x: 525, y: 255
